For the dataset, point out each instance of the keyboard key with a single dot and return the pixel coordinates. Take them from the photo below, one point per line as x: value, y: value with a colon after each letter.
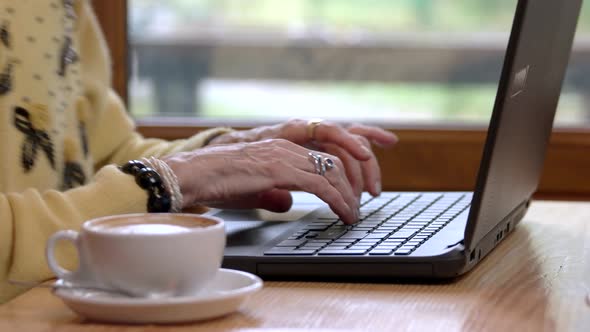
x: 427, y: 231
x: 331, y: 233
x: 360, y: 247
x: 388, y: 245
x: 296, y: 236
x: 403, y: 233
x: 388, y: 249
x: 421, y: 220
x: 291, y: 243
x: 376, y: 235
x: 343, y: 240
x: 355, y: 252
x: 403, y: 251
x: 367, y: 239
x: 353, y: 235
x: 318, y: 227
x: 319, y: 240
x: 286, y: 252
x: 371, y: 242
x: 363, y: 228
x: 422, y: 236
x: 337, y: 245
x: 414, y: 227
x: 369, y: 223
x: 381, y: 252
x: 388, y: 227
x: 312, y: 246
x: 311, y: 234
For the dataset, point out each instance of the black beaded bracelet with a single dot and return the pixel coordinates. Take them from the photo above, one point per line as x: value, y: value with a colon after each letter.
x: 159, y: 199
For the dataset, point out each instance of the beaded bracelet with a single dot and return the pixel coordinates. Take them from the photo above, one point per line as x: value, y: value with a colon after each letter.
x: 170, y: 181
x: 159, y: 199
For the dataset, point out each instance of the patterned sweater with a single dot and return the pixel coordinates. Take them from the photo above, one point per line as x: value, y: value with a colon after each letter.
x: 62, y: 131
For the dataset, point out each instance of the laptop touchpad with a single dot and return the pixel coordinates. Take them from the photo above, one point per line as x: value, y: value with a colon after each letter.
x: 247, y: 231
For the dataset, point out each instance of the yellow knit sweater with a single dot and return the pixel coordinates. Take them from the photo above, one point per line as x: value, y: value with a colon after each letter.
x: 62, y: 131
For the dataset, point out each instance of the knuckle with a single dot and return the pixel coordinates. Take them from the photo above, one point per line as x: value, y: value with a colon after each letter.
x: 330, y: 126
x: 353, y: 125
x: 331, y: 195
x: 363, y: 140
x: 338, y: 128
x: 338, y: 162
x: 294, y: 124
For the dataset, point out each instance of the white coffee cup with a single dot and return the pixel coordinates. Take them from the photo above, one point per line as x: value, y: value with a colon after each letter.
x: 146, y: 255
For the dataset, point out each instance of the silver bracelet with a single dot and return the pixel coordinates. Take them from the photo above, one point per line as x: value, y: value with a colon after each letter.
x: 170, y: 181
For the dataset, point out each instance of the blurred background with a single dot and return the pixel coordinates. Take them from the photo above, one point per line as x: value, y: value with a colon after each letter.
x: 405, y: 61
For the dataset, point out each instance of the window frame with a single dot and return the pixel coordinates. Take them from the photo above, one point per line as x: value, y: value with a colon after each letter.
x: 454, y: 151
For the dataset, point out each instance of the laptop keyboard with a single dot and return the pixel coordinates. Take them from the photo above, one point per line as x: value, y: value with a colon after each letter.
x: 391, y: 224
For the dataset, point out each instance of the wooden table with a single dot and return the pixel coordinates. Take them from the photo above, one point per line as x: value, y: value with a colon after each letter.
x: 538, y: 279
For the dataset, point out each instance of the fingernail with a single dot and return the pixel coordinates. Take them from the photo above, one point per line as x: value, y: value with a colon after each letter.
x: 366, y: 151
x: 378, y: 187
x: 357, y: 214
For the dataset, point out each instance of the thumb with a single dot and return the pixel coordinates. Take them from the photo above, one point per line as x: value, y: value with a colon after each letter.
x: 276, y: 200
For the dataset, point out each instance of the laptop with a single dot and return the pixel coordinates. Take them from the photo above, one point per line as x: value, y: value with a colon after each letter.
x: 432, y: 234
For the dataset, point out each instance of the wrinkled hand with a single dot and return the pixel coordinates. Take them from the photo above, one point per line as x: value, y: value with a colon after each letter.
x: 351, y: 144
x: 260, y: 174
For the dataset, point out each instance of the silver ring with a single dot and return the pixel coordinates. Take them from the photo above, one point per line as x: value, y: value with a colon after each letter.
x: 318, y: 162
x: 321, y: 164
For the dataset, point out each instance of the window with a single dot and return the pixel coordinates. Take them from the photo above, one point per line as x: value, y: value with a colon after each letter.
x: 396, y: 61
x: 426, y: 69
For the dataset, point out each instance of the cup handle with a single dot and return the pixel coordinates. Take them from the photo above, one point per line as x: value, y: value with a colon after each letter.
x: 58, y: 270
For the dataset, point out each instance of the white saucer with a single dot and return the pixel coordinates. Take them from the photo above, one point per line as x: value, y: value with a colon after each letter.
x: 224, y: 295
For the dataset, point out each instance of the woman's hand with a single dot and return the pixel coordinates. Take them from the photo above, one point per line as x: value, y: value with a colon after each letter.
x: 260, y: 174
x: 351, y: 144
